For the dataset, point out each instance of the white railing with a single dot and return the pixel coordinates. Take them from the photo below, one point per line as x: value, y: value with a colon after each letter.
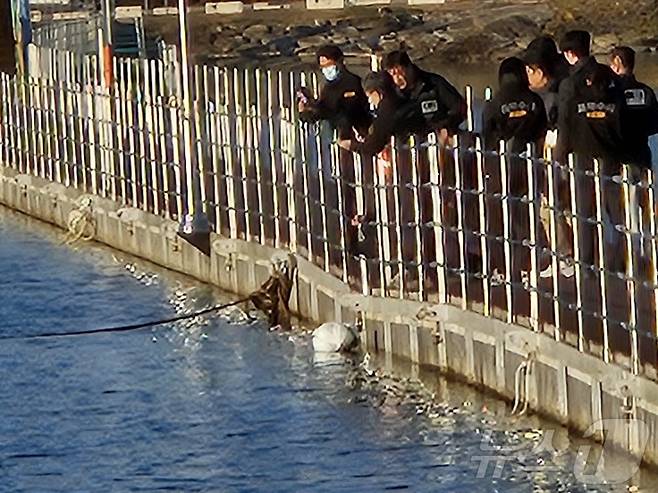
x: 447, y: 224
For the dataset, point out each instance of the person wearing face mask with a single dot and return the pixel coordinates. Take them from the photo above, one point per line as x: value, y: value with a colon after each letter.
x: 342, y: 101
x: 390, y: 120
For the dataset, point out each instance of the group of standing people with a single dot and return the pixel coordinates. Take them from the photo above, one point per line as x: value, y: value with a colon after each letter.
x: 557, y: 102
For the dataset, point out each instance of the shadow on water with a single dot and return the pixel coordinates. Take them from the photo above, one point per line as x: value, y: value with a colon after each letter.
x: 225, y: 404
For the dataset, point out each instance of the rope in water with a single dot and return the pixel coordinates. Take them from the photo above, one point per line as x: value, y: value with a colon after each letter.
x: 132, y: 327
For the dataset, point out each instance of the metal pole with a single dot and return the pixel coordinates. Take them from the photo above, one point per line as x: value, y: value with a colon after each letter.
x: 195, y: 227
x: 106, y: 53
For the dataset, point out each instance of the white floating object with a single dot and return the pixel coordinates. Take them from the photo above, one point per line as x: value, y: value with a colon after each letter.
x: 334, y: 337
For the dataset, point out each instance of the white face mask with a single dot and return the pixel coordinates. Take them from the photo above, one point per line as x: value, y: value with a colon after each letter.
x: 330, y: 73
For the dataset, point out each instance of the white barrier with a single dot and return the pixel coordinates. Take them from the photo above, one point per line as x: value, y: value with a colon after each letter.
x: 225, y: 8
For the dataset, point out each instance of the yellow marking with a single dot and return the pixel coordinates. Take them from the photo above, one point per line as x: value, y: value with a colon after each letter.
x: 517, y: 114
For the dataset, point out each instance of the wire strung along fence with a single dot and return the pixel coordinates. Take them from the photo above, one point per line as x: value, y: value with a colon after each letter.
x: 567, y: 249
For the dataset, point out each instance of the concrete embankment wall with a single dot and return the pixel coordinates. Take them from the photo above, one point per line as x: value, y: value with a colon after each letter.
x: 573, y: 388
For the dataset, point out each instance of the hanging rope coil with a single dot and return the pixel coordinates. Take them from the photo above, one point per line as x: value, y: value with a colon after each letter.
x: 81, y: 223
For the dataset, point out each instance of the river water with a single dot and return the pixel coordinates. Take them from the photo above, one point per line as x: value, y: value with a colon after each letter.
x: 229, y: 406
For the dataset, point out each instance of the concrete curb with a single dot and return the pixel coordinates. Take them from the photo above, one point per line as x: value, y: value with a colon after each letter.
x: 575, y: 389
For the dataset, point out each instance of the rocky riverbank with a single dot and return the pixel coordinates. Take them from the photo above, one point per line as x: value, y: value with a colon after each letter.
x: 463, y: 32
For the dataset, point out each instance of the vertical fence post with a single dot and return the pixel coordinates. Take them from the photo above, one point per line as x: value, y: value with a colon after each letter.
x: 653, y: 231
x: 434, y: 155
x: 321, y: 189
x: 142, y: 103
x: 598, y: 187
x: 461, y: 236
x: 335, y: 165
x: 575, y: 224
x: 150, y: 88
x: 507, y: 238
x: 92, y: 107
x: 230, y: 171
x: 239, y: 93
x: 484, y: 244
x: 256, y: 128
x: 120, y: 103
x: 199, y: 110
x: 273, y: 165
x: 361, y: 213
x: 216, y: 145
x: 302, y: 135
x: 555, y: 264
x: 418, y: 226
x: 470, y: 122
x: 381, y: 219
x: 162, y: 135
x: 630, y: 273
x: 132, y: 146
x: 534, y: 250
x: 398, y: 217
x: 37, y: 87
x: 174, y: 103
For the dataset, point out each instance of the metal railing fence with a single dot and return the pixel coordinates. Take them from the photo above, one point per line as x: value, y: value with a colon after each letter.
x: 568, y: 249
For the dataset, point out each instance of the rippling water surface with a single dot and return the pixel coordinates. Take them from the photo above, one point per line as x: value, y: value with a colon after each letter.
x: 227, y: 406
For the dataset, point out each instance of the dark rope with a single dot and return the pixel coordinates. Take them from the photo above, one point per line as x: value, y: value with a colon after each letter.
x: 128, y: 328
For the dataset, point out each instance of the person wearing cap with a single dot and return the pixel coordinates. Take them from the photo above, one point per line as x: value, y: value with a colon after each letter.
x: 342, y: 100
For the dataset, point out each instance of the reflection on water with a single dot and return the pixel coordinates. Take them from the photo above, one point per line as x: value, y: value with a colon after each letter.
x: 225, y: 404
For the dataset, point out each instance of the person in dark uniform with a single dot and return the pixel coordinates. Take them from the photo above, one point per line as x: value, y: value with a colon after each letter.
x: 515, y: 115
x: 392, y: 119
x: 443, y: 109
x: 590, y: 125
x: 342, y: 100
x: 639, y: 123
x: 641, y: 117
x: 585, y: 70
x: 342, y: 103
x: 441, y: 104
x: 546, y: 69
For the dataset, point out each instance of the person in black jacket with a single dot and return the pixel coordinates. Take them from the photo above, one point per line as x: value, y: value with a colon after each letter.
x: 342, y: 100
x: 546, y: 69
x: 515, y: 115
x: 589, y: 122
x: 441, y: 104
x: 602, y: 130
x: 641, y: 117
x: 639, y: 122
x: 343, y: 104
x: 392, y: 118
